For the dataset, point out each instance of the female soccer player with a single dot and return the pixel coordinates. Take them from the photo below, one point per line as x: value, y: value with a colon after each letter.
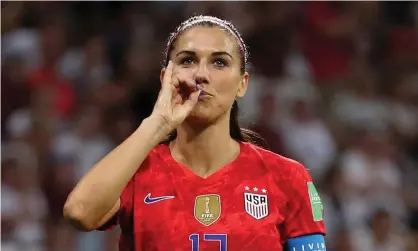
x: 206, y: 187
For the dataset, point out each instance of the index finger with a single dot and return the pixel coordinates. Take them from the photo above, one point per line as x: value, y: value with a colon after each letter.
x: 168, y: 73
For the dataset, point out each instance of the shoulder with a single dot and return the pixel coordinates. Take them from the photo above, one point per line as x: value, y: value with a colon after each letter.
x: 155, y: 159
x: 158, y: 154
x: 280, y: 167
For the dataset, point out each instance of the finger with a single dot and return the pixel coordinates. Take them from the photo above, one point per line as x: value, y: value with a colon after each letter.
x: 183, y: 80
x: 166, y: 93
x: 190, y: 84
x: 177, y: 98
x: 167, y: 88
x: 178, y: 91
x: 191, y: 102
x: 168, y: 74
x: 186, y: 85
x: 182, y: 92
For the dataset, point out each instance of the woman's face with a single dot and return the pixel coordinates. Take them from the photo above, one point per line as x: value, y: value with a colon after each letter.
x: 210, y: 57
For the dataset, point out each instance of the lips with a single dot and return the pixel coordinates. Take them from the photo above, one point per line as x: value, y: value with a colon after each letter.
x: 205, y: 93
x: 185, y: 93
x: 204, y: 97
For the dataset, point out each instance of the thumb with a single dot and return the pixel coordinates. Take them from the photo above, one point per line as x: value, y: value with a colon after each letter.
x: 190, y: 103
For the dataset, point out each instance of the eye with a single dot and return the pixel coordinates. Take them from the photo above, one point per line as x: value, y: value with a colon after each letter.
x: 187, y: 61
x: 220, y: 62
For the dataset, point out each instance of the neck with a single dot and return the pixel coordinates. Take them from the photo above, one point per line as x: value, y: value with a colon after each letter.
x: 205, y: 150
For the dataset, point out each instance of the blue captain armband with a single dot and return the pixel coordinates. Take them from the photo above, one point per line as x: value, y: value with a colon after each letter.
x: 315, y: 242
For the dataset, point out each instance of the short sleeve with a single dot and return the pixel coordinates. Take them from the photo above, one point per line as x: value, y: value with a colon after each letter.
x: 125, y: 213
x: 304, y: 209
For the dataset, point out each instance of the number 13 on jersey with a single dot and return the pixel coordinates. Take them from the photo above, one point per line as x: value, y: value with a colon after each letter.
x: 221, y: 238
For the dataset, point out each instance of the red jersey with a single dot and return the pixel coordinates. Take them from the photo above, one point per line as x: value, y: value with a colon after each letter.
x: 257, y: 202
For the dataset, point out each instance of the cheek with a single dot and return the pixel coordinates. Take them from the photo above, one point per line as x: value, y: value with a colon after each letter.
x: 226, y: 91
x: 225, y: 85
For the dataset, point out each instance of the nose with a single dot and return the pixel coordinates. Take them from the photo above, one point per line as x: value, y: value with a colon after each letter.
x: 202, y: 74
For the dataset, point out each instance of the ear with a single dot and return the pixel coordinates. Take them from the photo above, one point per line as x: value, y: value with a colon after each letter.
x: 162, y: 73
x: 243, y: 85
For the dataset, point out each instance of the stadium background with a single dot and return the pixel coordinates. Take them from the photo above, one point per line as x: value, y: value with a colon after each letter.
x: 333, y: 85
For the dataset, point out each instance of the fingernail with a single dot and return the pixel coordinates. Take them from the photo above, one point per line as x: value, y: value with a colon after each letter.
x: 198, y: 86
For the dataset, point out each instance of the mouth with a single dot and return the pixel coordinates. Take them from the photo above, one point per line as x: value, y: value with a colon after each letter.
x: 205, y: 95
x: 203, y: 92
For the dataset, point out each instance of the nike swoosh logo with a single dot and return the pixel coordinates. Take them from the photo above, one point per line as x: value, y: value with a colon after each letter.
x: 149, y: 200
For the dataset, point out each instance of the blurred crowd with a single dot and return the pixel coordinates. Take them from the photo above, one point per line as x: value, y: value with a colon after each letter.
x: 333, y: 85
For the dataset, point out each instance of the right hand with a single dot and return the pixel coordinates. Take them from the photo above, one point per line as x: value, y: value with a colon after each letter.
x: 171, y: 107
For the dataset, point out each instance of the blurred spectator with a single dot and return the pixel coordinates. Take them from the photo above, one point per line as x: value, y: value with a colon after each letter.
x: 15, y: 92
x: 23, y: 208
x: 333, y: 85
x: 77, y: 151
x: 371, y: 177
x: 307, y: 138
x: 360, y: 105
x: 380, y: 235
x: 266, y: 125
x: 85, y: 143
x: 343, y: 242
x: 329, y: 30
x: 331, y: 188
x: 403, y: 109
x: 87, y: 68
x: 46, y: 77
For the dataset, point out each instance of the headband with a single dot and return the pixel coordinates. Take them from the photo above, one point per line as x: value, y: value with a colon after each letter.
x: 219, y: 23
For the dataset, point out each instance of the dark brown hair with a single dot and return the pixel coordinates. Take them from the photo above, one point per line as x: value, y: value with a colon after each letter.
x: 236, y: 132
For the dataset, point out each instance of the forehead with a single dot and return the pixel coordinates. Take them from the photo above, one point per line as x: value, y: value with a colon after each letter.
x: 206, y: 40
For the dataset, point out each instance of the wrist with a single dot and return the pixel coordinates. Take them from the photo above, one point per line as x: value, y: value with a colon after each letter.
x: 155, y: 128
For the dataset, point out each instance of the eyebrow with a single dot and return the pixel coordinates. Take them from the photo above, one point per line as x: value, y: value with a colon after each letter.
x: 216, y: 53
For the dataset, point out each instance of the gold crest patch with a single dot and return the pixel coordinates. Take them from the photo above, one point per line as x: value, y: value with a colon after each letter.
x: 207, y: 208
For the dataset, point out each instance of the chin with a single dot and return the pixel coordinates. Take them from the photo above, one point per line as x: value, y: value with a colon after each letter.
x: 201, y: 115
x: 199, y: 118
x: 205, y: 114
